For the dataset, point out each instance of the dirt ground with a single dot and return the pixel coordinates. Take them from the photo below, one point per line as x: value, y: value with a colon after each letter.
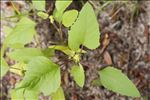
x: 125, y: 44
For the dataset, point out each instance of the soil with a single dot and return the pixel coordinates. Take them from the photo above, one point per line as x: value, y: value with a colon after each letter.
x: 125, y: 44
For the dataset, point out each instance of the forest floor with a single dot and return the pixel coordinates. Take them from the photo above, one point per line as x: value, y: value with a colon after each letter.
x: 125, y: 44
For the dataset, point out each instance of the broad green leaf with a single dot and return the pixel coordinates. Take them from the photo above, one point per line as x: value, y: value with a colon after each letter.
x: 17, y: 94
x: 58, y: 95
x: 60, y: 5
x: 31, y: 95
x: 42, y: 15
x: 25, y: 54
x: 4, y: 67
x: 18, y: 68
x: 85, y: 31
x: 22, y: 94
x: 48, y: 52
x: 17, y: 46
x: 41, y: 75
x: 78, y: 74
x: 113, y: 79
x: 22, y: 33
x: 69, y: 17
x: 39, y: 4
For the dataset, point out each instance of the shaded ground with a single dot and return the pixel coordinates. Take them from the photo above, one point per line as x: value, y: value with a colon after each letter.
x: 125, y: 43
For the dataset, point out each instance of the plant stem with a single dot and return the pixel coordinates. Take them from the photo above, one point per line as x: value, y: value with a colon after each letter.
x: 104, y: 5
x: 61, y: 34
x: 59, y: 31
x: 3, y: 50
x: 14, y: 16
x: 15, y: 8
x: 99, y: 8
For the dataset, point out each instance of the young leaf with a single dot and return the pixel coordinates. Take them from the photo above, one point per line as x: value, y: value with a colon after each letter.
x: 42, y: 75
x: 42, y: 15
x: 78, y: 74
x: 69, y: 17
x: 60, y: 7
x: 25, y: 54
x: 85, y: 31
x: 18, y: 68
x: 64, y: 49
x: 58, y: 95
x: 22, y: 33
x: 51, y: 18
x: 4, y: 67
x: 113, y: 79
x: 39, y: 5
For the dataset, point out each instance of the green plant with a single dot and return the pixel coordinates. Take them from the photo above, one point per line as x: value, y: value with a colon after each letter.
x: 40, y: 73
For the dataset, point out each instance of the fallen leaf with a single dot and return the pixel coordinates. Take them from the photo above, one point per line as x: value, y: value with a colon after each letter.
x: 107, y: 58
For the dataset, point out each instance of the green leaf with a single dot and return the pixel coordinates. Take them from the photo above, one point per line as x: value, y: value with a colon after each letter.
x: 4, y: 67
x: 72, y: 54
x: 51, y: 18
x: 17, y: 94
x: 64, y: 49
x: 69, y: 17
x: 60, y: 7
x: 42, y: 75
x: 18, y: 68
x: 39, y: 5
x: 48, y: 52
x: 78, y: 74
x: 58, y: 95
x: 42, y: 15
x: 85, y: 31
x: 31, y: 95
x: 22, y: 94
x: 17, y: 46
x: 113, y: 79
x: 22, y: 33
x: 25, y: 54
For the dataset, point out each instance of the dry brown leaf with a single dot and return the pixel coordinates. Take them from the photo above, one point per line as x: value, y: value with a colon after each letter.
x: 107, y: 58
x: 105, y: 42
